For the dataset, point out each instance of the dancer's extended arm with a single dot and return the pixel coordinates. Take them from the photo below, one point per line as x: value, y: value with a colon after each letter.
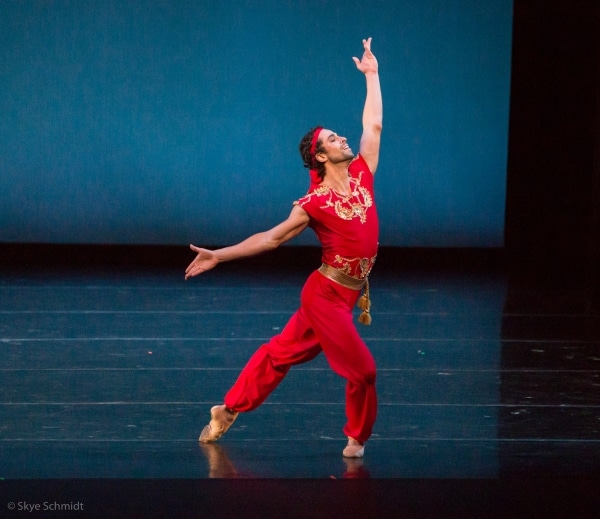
x: 372, y: 119
x: 258, y: 243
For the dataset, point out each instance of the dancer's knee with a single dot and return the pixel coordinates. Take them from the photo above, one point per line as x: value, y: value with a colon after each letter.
x: 365, y: 376
x: 369, y: 376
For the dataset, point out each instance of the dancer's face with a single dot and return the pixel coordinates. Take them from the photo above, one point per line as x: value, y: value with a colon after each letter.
x: 335, y: 147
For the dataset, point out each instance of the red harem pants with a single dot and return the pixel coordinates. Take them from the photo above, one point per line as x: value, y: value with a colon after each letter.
x: 323, y: 323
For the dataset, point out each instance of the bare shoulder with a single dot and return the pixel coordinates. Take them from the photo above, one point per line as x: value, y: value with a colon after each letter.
x: 371, y: 162
x: 298, y: 214
x: 369, y: 151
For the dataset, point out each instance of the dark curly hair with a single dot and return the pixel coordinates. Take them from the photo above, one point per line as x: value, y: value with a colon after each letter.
x: 307, y: 157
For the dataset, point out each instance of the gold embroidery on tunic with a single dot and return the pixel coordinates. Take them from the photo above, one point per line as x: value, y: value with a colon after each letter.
x: 348, y: 207
x: 364, y: 265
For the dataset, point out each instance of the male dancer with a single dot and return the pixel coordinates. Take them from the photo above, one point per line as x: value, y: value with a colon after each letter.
x: 340, y: 208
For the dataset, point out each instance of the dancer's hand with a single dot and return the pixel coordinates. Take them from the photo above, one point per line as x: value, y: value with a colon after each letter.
x: 204, y: 260
x: 368, y: 63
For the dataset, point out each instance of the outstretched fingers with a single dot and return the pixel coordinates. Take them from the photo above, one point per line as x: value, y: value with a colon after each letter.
x: 367, y: 44
x: 204, y: 260
x: 363, y: 64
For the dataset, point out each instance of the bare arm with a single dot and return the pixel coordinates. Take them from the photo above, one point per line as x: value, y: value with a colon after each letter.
x: 373, y: 110
x: 258, y: 243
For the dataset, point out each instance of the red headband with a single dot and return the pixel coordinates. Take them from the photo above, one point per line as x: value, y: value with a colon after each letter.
x: 314, y: 174
x: 315, y: 139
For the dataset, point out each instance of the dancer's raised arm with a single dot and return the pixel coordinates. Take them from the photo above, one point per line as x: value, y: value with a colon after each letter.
x: 373, y: 110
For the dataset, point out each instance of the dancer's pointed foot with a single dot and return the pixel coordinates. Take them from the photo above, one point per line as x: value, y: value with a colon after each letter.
x: 221, y: 419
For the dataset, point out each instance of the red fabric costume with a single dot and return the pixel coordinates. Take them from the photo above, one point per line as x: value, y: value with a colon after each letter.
x: 347, y: 228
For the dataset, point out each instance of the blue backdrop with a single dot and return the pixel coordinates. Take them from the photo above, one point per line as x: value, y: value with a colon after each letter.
x: 169, y: 122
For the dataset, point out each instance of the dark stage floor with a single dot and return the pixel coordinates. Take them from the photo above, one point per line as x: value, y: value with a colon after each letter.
x: 489, y: 392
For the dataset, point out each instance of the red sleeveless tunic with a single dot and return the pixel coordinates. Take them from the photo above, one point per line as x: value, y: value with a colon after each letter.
x: 346, y: 226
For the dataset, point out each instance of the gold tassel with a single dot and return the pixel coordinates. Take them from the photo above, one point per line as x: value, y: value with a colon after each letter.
x: 364, y: 303
x: 365, y: 318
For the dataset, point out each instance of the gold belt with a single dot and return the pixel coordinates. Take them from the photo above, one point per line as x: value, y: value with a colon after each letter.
x: 341, y: 277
